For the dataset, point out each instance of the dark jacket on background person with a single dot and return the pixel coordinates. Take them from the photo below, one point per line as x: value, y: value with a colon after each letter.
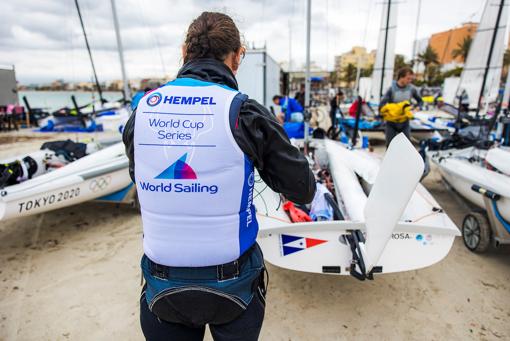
x: 300, y: 97
x: 256, y: 131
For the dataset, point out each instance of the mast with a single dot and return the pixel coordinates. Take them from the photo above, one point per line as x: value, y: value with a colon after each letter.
x: 415, y: 47
x: 381, y: 90
x: 358, y: 68
x: 290, y: 46
x: 307, y: 70
x: 90, y: 53
x: 487, y: 66
x: 358, y: 75
x: 127, y: 92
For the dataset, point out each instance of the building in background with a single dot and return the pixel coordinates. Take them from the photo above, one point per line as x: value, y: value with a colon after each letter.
x: 358, y: 53
x: 8, y: 90
x: 445, y: 42
x: 346, y: 65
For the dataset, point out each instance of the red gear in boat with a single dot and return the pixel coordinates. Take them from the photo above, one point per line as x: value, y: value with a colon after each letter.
x: 353, y: 109
x: 295, y: 214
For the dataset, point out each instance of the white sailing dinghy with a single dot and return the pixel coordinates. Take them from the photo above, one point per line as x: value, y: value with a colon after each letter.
x: 399, y: 227
x: 57, y: 181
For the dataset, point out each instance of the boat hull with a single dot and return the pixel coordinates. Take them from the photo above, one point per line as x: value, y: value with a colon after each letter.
x: 461, y: 175
x: 91, y: 177
x: 423, y: 236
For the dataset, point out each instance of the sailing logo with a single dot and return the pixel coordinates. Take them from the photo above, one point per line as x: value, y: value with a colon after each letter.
x: 178, y: 170
x: 154, y: 99
x: 291, y: 244
x: 424, y: 240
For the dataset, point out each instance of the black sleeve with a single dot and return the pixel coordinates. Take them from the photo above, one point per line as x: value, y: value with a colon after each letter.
x: 128, y: 139
x: 280, y: 164
x: 417, y: 97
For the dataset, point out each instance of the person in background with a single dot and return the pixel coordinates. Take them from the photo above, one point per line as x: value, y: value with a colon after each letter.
x: 292, y: 111
x: 401, y: 90
x: 202, y: 264
x: 335, y: 106
x: 300, y: 95
x: 137, y: 97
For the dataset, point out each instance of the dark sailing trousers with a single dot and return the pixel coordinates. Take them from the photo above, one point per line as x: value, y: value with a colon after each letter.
x: 178, y: 302
x: 393, y: 129
x: 246, y: 327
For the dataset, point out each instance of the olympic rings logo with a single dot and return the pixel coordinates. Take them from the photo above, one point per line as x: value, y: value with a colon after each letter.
x: 99, y: 184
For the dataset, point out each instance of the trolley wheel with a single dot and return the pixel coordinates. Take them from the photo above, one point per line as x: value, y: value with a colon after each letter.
x: 476, y: 232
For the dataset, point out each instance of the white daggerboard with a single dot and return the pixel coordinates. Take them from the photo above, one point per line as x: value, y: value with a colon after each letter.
x: 319, y: 247
x: 400, y: 172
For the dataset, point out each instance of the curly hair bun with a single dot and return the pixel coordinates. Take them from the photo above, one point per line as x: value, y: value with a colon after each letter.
x: 211, y: 35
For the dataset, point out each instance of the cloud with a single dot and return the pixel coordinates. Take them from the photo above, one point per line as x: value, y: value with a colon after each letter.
x: 43, y: 38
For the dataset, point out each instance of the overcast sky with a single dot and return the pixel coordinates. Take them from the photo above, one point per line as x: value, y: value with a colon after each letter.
x: 43, y: 38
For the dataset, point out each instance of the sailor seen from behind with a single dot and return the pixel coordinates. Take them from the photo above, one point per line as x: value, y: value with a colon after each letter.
x: 193, y: 162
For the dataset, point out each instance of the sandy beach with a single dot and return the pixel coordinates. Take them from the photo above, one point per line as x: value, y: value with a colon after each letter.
x: 73, y: 274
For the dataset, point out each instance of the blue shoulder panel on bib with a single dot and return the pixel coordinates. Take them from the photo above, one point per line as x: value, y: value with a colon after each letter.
x: 248, y: 225
x: 235, y: 109
x: 196, y: 82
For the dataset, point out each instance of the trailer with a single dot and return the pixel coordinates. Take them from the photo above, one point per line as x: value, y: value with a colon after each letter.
x: 259, y: 76
x: 8, y: 87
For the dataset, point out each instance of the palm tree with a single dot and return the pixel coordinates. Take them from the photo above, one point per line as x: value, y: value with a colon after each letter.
x: 462, y: 49
x: 367, y: 72
x: 400, y: 63
x: 349, y: 74
x: 428, y: 57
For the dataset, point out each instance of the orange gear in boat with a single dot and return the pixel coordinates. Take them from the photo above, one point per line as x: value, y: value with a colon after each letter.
x: 295, y: 214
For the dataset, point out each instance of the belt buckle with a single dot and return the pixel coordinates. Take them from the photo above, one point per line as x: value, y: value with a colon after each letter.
x: 221, y: 274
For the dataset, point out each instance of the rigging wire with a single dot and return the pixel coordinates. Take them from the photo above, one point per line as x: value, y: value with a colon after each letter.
x: 90, y: 53
x: 364, y: 41
x: 154, y: 39
x: 327, y: 35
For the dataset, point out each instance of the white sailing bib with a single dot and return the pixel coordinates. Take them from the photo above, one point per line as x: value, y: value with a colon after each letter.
x: 194, y: 183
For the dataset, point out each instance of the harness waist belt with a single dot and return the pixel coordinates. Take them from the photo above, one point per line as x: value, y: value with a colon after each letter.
x: 220, y: 272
